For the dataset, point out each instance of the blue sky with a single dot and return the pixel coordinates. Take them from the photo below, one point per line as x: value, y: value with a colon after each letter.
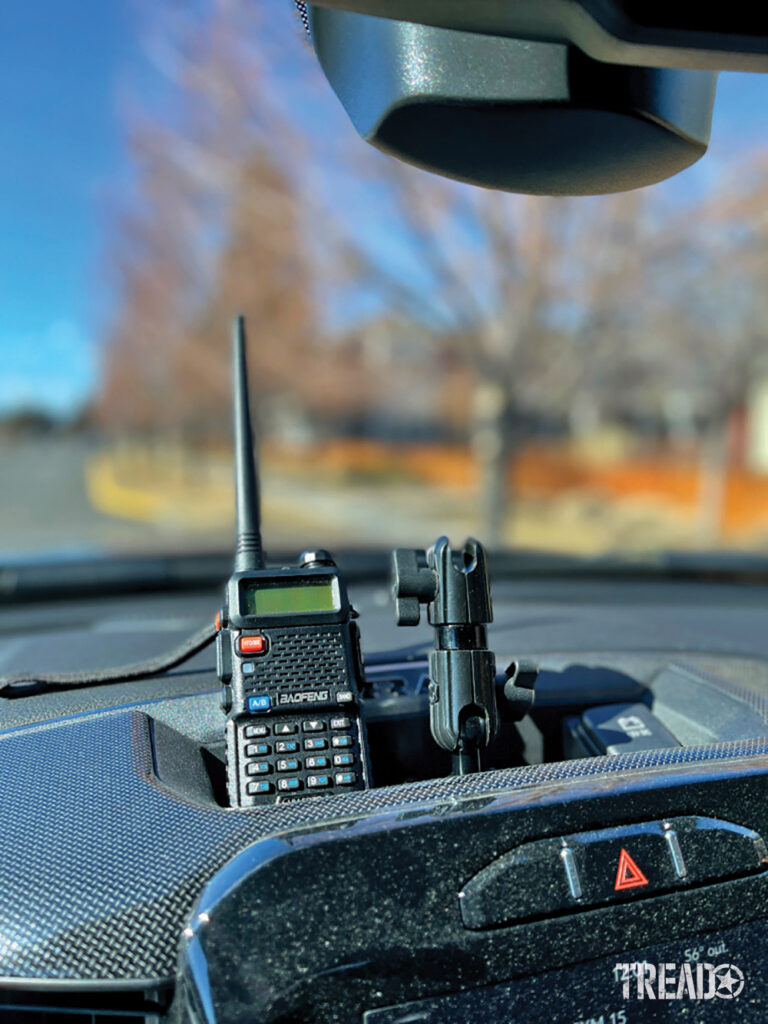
x: 66, y: 67
x: 62, y: 65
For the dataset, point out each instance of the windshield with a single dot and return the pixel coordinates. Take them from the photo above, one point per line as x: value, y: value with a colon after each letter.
x: 579, y: 375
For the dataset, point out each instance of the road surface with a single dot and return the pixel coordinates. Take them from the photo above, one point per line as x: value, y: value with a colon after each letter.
x: 45, y: 506
x: 70, y: 496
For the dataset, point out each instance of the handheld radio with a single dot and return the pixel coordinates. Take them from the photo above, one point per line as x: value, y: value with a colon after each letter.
x: 288, y: 655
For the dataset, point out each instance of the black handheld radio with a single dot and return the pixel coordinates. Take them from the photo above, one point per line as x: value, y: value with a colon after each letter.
x: 288, y: 656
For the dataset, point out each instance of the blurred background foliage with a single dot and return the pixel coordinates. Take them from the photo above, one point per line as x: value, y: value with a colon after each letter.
x: 578, y: 374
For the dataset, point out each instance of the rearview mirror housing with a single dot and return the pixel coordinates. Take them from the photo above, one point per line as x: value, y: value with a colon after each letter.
x: 513, y: 114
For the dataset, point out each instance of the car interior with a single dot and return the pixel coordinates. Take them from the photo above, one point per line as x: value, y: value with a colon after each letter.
x: 433, y: 782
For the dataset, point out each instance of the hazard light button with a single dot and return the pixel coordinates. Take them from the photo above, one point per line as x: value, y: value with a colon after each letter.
x: 609, y: 865
x: 626, y: 863
x: 628, y: 874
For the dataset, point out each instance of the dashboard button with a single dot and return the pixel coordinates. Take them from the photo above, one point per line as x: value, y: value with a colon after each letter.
x: 608, y: 865
x: 713, y: 850
x: 530, y: 881
x: 624, y: 863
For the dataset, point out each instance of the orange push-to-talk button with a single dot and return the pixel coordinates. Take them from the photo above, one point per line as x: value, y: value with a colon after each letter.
x: 252, y: 644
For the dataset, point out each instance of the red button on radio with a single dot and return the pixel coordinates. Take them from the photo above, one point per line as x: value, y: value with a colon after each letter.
x: 252, y: 644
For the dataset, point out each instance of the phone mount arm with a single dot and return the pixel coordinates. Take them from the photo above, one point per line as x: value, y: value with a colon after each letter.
x: 454, y: 586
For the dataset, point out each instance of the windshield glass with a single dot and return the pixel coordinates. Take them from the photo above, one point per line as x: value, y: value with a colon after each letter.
x: 426, y: 357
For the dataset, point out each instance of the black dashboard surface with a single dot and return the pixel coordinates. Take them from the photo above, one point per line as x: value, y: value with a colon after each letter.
x: 103, y: 860
x: 632, y: 626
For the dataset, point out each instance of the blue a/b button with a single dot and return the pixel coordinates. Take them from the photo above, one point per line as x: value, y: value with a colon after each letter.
x: 261, y: 703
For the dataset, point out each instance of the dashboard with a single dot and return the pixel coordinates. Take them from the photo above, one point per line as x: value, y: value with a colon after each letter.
x: 587, y: 874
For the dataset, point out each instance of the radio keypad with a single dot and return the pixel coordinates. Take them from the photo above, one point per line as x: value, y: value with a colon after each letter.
x: 252, y: 732
x: 286, y: 746
x: 285, y: 728
x: 316, y: 762
x: 291, y: 785
x: 318, y: 781
x: 257, y: 749
x: 259, y: 788
x: 315, y: 744
x: 307, y: 772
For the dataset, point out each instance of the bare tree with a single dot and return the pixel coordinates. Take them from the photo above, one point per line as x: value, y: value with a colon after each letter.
x: 518, y: 287
x: 213, y: 227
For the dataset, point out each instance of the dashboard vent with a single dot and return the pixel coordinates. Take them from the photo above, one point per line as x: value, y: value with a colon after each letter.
x: 51, y: 1015
x: 40, y: 1007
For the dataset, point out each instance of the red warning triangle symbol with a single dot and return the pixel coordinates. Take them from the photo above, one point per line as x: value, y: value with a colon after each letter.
x: 628, y: 875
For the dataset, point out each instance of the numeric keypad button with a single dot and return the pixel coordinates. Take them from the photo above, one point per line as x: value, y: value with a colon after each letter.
x: 315, y: 744
x: 316, y: 762
x: 291, y: 785
x: 258, y: 788
x: 286, y: 747
x: 257, y: 750
x: 318, y: 781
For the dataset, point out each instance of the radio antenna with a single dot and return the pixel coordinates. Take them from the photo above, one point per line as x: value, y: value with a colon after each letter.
x: 248, y: 550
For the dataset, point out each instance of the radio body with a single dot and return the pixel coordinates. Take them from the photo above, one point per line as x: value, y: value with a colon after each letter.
x: 289, y: 658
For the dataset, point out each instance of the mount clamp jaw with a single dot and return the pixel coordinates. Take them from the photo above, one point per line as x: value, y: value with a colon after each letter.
x: 454, y: 586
